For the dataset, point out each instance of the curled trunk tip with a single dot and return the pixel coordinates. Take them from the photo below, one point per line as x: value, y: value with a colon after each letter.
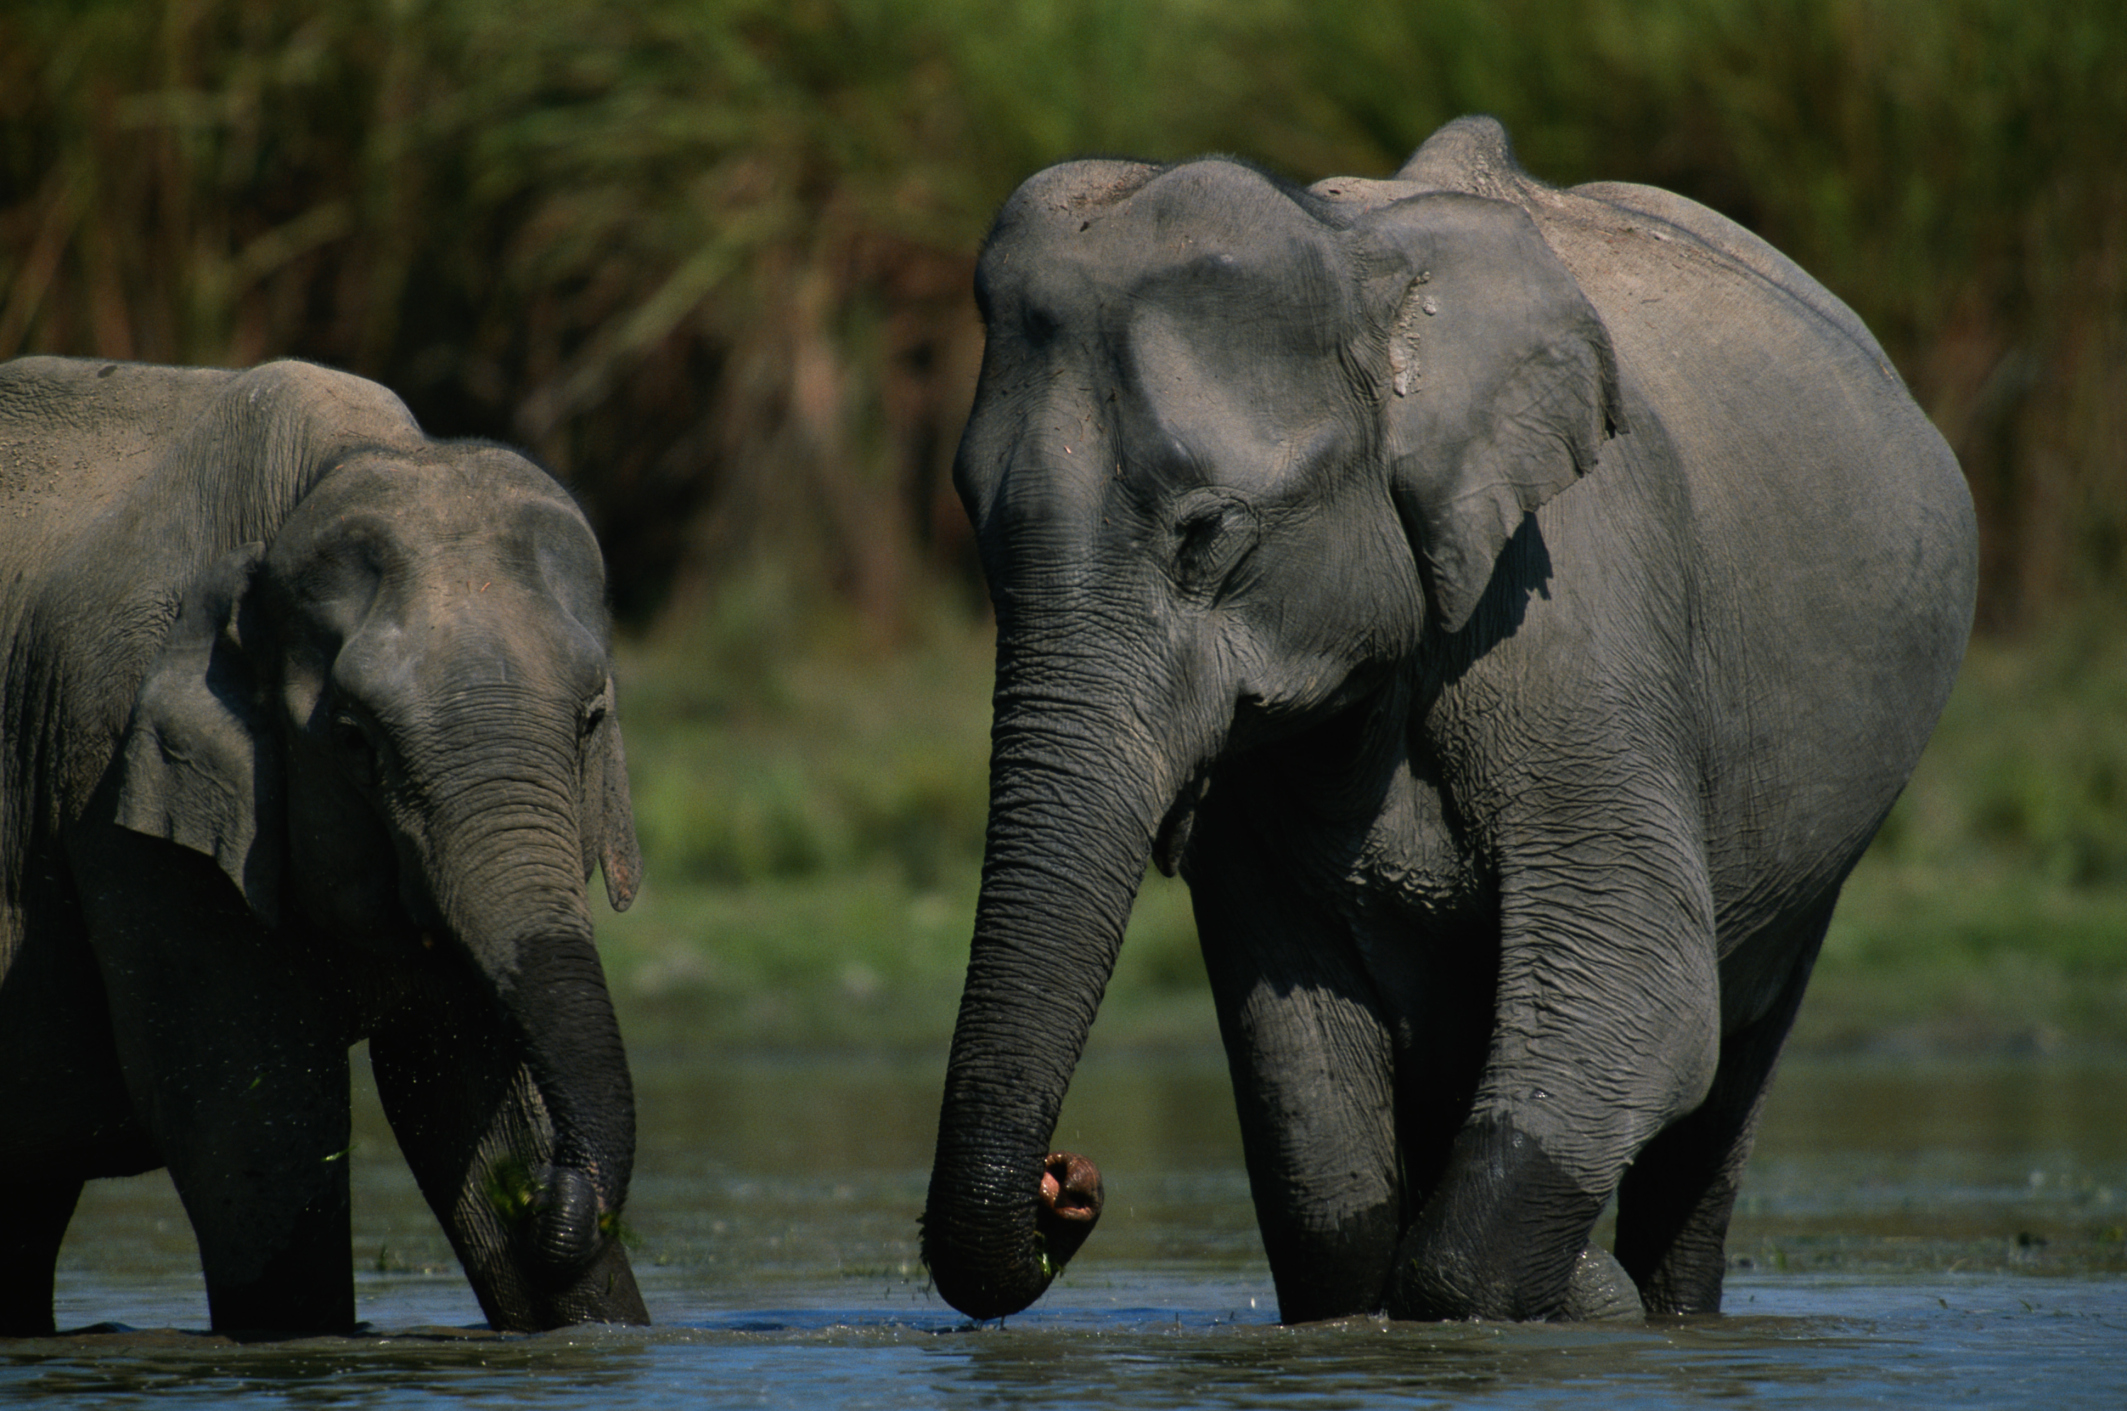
x: 1073, y: 815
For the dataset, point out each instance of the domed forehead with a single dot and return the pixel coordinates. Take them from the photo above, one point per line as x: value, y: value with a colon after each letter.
x: 450, y: 488
x: 394, y: 510
x: 1211, y: 229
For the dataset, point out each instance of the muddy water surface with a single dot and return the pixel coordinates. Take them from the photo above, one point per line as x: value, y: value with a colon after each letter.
x: 1947, y: 1230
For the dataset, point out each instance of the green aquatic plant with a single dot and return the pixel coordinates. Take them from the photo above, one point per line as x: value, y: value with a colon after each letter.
x: 514, y: 1192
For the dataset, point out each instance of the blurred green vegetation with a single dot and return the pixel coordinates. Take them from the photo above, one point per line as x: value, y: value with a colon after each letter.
x: 811, y: 815
x: 709, y: 259
x: 1992, y: 909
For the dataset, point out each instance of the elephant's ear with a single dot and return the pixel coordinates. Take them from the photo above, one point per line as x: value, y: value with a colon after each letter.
x: 1501, y: 380
x: 610, y: 841
x: 195, y: 766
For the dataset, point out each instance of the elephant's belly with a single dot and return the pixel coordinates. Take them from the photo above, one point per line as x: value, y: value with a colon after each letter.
x: 63, y: 1100
x: 68, y: 1112
x: 1758, y: 958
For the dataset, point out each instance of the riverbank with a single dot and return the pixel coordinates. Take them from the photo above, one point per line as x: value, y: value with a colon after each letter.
x: 811, y: 815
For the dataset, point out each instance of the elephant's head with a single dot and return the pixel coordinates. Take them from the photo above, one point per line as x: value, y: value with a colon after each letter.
x: 1238, y: 454
x: 393, y: 725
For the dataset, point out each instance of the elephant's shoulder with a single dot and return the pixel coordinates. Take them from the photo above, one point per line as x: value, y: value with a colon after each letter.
x: 1472, y: 155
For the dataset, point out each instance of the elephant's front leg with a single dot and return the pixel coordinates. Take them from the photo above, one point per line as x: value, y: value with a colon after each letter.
x: 235, y: 1056
x: 1313, y: 1081
x: 1605, y: 1031
x: 261, y: 1164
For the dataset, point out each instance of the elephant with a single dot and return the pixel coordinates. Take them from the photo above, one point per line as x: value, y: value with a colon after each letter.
x: 1512, y: 611
x: 310, y: 737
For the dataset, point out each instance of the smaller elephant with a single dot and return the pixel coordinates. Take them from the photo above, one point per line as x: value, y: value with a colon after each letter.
x: 310, y: 737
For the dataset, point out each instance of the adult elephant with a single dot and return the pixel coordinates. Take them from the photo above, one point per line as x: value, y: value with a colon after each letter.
x: 310, y: 735
x: 1512, y: 611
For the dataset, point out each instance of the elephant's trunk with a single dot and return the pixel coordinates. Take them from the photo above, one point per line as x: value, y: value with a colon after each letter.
x: 1073, y: 812
x: 508, y: 879
x: 559, y: 1006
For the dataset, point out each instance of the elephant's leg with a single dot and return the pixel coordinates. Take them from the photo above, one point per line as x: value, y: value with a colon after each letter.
x: 255, y: 1134
x: 469, y: 1121
x: 1605, y: 1030
x: 254, y: 1129
x: 36, y: 1215
x: 265, y: 1187
x: 1675, y: 1202
x: 235, y: 1055
x: 1439, y: 998
x: 1313, y: 1083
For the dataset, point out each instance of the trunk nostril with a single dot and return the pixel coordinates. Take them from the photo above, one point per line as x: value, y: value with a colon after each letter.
x: 1071, y: 1198
x: 1070, y: 1187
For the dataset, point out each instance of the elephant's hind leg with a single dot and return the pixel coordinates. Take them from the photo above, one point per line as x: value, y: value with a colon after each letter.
x: 1674, y: 1203
x: 36, y: 1214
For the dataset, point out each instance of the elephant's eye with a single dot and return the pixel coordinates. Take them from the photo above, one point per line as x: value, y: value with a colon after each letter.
x: 357, y: 755
x: 1213, y: 529
x: 593, y: 714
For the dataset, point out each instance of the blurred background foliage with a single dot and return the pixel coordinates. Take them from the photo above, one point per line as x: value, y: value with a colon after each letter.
x: 709, y: 260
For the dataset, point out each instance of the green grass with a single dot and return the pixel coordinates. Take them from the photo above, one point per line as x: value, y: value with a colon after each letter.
x: 811, y: 813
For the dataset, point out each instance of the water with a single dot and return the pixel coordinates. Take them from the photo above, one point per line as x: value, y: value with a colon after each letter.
x: 1954, y: 1230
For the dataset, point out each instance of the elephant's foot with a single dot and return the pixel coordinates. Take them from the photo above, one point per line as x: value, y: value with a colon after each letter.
x: 1070, y: 1205
x: 1501, y: 1237
x: 1601, y: 1291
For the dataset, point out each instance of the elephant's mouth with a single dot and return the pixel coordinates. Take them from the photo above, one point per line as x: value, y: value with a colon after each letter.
x: 1171, y: 844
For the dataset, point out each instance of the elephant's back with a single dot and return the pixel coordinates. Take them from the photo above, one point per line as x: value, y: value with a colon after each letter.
x: 1665, y: 215
x: 79, y: 437
x: 1815, y: 487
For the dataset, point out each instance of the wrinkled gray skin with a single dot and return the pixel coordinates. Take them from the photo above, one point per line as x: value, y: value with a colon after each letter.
x: 1512, y: 611
x: 310, y: 737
